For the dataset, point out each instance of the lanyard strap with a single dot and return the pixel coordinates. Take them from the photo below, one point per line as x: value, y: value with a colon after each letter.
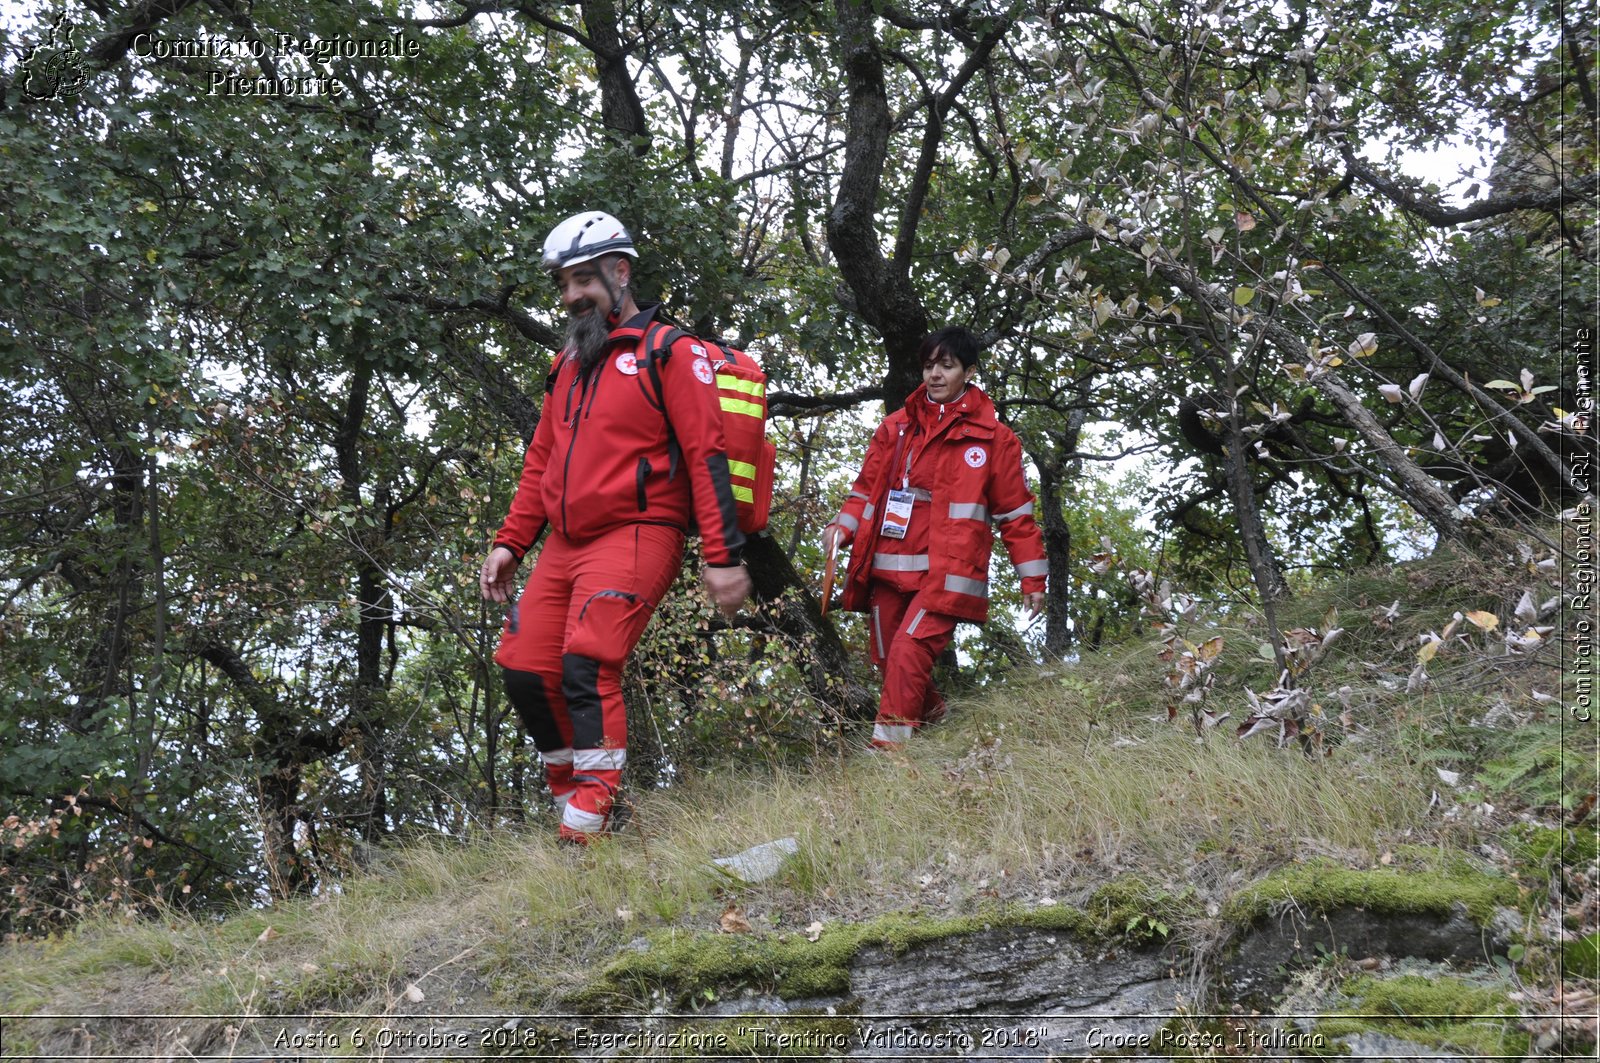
x: 910, y: 456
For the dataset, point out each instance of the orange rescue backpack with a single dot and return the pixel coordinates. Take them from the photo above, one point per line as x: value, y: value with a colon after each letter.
x: 742, y: 393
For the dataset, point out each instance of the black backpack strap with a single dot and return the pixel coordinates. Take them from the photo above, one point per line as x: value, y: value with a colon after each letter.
x: 657, y: 349
x: 555, y: 368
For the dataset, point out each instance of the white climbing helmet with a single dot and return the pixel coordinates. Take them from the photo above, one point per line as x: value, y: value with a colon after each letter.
x: 585, y: 236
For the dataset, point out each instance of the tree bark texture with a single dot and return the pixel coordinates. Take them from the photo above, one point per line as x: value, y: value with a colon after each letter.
x: 620, y: 109
x: 883, y: 292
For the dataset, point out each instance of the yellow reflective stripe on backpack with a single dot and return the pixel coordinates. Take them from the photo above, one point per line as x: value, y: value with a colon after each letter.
x: 739, y: 406
x: 741, y: 469
x: 748, y: 387
x: 743, y: 494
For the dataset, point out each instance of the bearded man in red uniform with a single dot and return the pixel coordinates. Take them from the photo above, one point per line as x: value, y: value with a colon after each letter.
x: 618, y: 473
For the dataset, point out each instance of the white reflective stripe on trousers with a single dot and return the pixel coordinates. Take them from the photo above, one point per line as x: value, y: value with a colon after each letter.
x: 557, y: 756
x: 577, y: 819
x: 600, y: 759
x: 891, y: 732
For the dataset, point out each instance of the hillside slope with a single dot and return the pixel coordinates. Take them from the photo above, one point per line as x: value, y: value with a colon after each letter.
x: 1062, y: 807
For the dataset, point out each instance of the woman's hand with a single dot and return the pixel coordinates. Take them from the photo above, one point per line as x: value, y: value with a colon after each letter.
x: 1033, y: 603
x: 833, y: 537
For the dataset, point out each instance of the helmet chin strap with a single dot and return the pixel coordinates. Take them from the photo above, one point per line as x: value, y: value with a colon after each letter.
x: 617, y: 294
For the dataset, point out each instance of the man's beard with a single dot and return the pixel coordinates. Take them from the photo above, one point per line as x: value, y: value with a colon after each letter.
x: 586, y: 338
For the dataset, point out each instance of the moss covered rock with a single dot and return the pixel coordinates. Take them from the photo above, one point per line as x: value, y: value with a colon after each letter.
x: 683, y: 965
x: 1429, y: 906
x: 1437, y: 1011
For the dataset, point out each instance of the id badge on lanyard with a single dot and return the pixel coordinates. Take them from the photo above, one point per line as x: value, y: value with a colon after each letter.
x: 897, y: 510
x: 897, y: 514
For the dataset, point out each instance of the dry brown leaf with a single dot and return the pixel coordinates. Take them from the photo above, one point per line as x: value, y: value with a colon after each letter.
x: 414, y: 994
x: 1483, y: 619
x: 814, y: 931
x: 267, y: 935
x: 733, y: 921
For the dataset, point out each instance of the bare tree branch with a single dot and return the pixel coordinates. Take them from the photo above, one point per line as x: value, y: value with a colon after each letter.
x: 790, y: 404
x: 1550, y: 200
x: 111, y: 47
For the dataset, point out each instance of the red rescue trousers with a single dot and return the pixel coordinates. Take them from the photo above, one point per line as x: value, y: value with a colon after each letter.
x: 580, y: 615
x: 906, y: 639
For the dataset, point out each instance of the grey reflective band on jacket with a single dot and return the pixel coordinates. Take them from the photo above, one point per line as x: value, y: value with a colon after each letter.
x: 968, y: 511
x: 846, y: 521
x: 900, y: 562
x: 961, y: 585
x: 1034, y: 568
x: 1025, y: 511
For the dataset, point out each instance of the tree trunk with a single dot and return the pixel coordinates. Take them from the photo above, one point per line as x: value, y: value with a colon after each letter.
x: 1058, y: 555
x: 283, y: 749
x: 1420, y: 491
x: 829, y: 678
x: 1262, y: 558
x: 620, y: 109
x: 883, y: 293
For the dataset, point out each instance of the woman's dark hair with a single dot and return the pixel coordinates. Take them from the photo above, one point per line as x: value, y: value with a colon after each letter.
x: 961, y: 344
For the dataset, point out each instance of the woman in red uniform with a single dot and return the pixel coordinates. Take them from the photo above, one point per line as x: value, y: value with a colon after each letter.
x: 938, y: 472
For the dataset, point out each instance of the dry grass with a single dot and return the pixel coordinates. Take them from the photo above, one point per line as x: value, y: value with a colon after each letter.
x: 1043, y: 786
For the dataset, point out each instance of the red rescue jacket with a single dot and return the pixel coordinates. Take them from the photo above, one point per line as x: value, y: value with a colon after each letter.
x: 971, y: 466
x: 602, y: 455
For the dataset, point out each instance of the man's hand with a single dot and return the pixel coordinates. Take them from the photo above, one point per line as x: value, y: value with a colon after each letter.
x: 495, y: 579
x: 728, y: 587
x: 1033, y: 603
x: 833, y: 537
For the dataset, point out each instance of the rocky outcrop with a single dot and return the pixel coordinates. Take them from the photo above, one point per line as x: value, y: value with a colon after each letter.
x: 1008, y: 992
x: 1072, y: 983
